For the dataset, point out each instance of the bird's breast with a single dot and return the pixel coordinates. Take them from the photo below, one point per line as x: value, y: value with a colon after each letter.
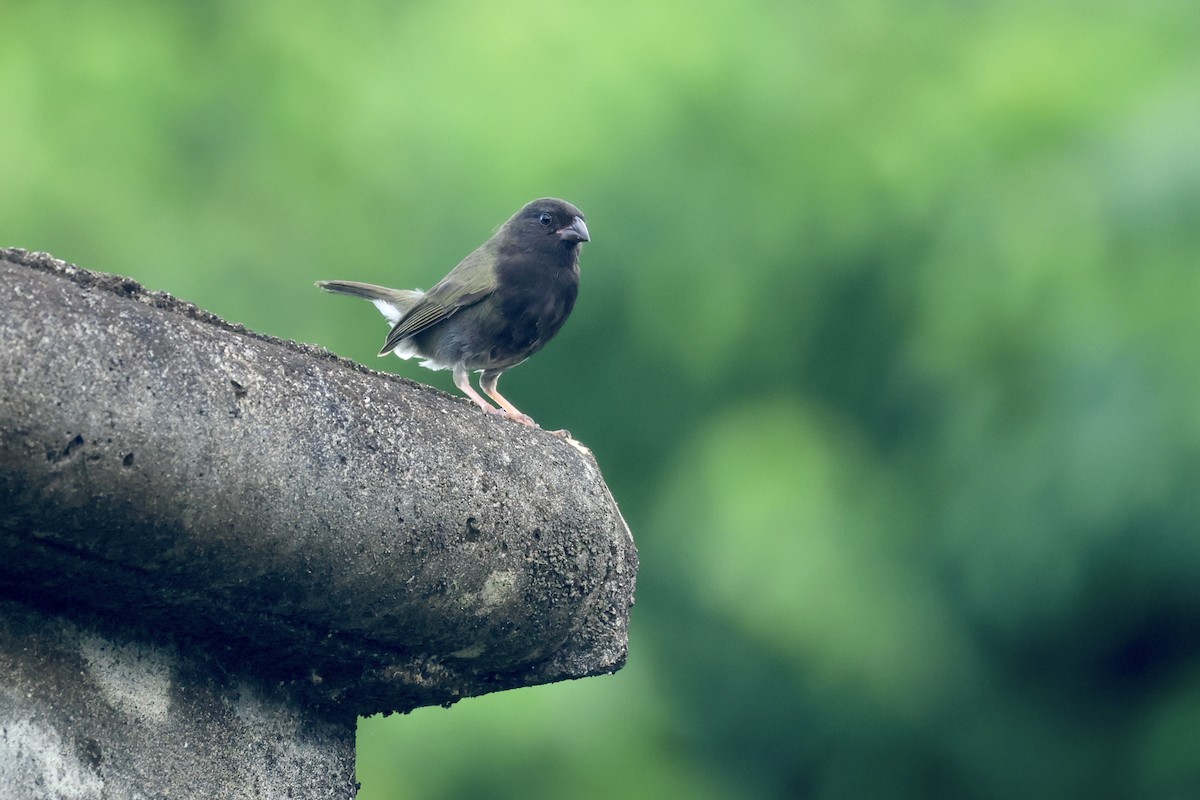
x: 528, y: 313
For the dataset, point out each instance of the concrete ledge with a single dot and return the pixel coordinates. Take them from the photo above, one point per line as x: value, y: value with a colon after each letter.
x: 362, y: 542
x: 89, y: 717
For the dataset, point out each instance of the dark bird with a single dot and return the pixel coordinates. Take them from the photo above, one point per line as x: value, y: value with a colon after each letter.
x: 499, y: 306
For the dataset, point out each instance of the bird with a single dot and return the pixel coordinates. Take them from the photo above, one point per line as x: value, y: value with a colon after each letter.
x: 499, y: 306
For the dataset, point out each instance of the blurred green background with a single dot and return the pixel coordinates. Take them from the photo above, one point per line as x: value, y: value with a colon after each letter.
x: 887, y: 343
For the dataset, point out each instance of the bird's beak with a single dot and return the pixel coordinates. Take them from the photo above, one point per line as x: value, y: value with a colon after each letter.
x: 575, y: 232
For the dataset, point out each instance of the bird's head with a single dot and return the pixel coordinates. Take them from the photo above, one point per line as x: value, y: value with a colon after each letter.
x: 550, y: 222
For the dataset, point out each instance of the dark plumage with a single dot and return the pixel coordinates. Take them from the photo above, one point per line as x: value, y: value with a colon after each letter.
x: 499, y: 306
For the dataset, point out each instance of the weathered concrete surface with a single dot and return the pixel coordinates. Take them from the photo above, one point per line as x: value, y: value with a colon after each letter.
x: 362, y: 541
x: 89, y: 717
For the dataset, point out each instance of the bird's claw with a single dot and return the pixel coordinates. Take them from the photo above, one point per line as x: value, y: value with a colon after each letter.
x: 524, y: 419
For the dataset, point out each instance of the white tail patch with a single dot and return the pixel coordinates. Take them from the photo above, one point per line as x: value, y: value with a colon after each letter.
x: 406, y: 349
x: 390, y: 311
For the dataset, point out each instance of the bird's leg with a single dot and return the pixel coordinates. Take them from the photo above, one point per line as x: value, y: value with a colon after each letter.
x: 487, y: 382
x: 462, y: 379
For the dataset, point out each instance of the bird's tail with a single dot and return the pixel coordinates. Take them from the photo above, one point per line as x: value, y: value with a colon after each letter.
x: 392, y: 303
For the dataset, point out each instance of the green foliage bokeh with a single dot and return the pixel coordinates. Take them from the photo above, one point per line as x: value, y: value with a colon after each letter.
x: 887, y: 344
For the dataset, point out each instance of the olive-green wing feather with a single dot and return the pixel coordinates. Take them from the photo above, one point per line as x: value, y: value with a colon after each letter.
x: 468, y: 283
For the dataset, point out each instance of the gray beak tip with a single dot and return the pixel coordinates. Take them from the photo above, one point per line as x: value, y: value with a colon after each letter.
x: 575, y: 232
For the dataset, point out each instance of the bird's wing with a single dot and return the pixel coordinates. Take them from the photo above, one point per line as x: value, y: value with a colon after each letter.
x: 468, y: 283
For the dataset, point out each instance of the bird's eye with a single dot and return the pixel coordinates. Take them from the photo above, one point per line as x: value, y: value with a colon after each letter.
x: 545, y: 219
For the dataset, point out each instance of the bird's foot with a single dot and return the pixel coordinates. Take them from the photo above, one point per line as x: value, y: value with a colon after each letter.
x: 524, y: 419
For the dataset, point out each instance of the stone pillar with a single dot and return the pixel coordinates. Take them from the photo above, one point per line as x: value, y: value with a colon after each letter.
x: 218, y: 549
